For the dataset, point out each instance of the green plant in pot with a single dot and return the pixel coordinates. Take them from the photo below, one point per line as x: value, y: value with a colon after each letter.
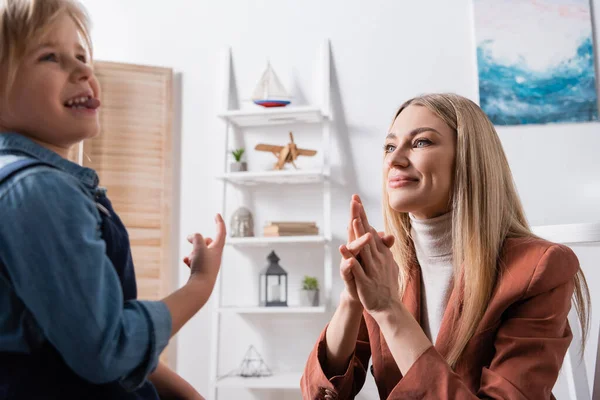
x: 310, y: 292
x: 238, y: 165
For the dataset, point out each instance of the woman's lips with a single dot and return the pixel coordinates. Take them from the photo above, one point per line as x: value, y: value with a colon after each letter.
x: 398, y: 182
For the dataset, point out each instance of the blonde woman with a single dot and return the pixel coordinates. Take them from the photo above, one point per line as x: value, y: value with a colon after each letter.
x: 459, y: 300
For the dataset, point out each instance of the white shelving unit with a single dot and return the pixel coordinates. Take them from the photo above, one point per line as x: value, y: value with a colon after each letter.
x: 319, y: 118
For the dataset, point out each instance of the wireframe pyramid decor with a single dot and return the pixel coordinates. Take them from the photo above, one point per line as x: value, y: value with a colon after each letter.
x: 252, y: 366
x: 270, y: 92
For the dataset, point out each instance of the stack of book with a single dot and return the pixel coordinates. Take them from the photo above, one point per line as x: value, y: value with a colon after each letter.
x: 290, y: 229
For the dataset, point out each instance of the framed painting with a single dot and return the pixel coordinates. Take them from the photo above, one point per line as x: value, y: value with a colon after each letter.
x: 535, y: 61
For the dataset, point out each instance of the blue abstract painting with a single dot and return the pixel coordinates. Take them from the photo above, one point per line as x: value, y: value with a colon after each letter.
x: 535, y: 61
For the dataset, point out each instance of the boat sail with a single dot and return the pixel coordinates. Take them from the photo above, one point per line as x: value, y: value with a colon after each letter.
x: 270, y: 92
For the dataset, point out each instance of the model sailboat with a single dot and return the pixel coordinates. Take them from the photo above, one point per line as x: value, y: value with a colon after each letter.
x: 270, y: 92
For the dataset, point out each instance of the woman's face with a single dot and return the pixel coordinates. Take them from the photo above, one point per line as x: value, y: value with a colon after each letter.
x: 418, y: 166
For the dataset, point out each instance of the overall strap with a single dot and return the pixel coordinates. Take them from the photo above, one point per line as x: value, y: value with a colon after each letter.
x: 11, y: 169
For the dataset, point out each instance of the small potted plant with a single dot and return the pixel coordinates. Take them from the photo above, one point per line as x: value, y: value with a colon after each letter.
x: 238, y: 165
x: 310, y: 292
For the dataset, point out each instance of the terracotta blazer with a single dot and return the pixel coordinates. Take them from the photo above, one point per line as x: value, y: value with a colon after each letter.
x: 516, y: 352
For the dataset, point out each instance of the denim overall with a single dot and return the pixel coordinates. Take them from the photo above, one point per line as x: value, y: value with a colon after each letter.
x: 43, y: 375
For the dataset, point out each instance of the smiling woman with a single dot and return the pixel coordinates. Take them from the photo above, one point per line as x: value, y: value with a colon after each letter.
x: 421, y: 159
x: 458, y: 298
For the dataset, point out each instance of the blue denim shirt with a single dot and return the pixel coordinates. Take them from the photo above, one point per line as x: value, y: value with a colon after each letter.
x: 56, y: 282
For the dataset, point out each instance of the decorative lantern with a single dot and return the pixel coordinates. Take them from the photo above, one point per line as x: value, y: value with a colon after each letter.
x: 273, y: 284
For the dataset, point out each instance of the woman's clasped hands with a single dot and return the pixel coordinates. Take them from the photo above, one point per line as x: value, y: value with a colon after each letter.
x: 368, y: 269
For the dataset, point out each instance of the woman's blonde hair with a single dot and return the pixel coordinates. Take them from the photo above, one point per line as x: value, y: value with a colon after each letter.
x: 486, y: 210
x: 25, y: 22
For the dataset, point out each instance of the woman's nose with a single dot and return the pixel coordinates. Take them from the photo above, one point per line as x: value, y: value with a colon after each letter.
x: 398, y: 159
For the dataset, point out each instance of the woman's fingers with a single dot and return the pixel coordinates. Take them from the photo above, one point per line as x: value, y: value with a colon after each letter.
x: 356, y: 212
x: 377, y: 244
x: 365, y: 253
x: 388, y: 240
x: 346, y: 270
x: 359, y: 231
x: 358, y: 272
x: 353, y: 215
x: 353, y: 248
x: 346, y: 254
x: 351, y: 270
x: 374, y: 243
x: 360, y: 209
x: 351, y: 236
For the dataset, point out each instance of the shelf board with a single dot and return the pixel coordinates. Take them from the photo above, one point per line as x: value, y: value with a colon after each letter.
x: 274, y: 116
x: 290, y: 380
x: 273, y: 310
x: 267, y: 241
x: 292, y: 177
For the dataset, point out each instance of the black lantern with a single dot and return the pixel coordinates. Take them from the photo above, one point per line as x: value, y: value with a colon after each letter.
x: 272, y: 285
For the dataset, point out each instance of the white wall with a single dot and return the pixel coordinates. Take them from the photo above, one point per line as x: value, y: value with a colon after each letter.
x: 384, y: 52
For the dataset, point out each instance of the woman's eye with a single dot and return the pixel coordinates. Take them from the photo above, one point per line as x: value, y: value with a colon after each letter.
x: 49, y: 57
x: 389, y: 148
x: 419, y: 143
x: 83, y: 59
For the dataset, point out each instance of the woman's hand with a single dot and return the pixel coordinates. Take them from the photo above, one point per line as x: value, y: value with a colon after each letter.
x: 376, y: 276
x: 350, y: 293
x: 351, y: 258
x: 377, y: 286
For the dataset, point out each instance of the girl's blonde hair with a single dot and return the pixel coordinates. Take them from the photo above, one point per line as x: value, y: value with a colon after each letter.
x: 25, y: 22
x: 486, y: 210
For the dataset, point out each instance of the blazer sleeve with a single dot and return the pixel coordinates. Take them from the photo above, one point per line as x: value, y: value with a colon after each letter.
x: 317, y: 384
x: 530, y: 344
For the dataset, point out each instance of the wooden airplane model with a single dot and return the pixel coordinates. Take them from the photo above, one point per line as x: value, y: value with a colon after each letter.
x: 285, y: 154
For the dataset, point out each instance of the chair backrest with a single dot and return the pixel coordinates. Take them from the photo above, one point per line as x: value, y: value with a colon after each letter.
x: 574, y: 379
x: 596, y: 383
x: 574, y: 369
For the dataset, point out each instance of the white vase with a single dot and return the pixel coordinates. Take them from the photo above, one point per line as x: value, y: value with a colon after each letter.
x: 309, y: 298
x: 238, y: 166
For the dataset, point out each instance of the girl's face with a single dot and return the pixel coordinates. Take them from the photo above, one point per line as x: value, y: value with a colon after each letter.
x: 419, y: 163
x: 54, y: 99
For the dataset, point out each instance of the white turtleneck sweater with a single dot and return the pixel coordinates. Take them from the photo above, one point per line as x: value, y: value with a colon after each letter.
x: 433, y: 245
